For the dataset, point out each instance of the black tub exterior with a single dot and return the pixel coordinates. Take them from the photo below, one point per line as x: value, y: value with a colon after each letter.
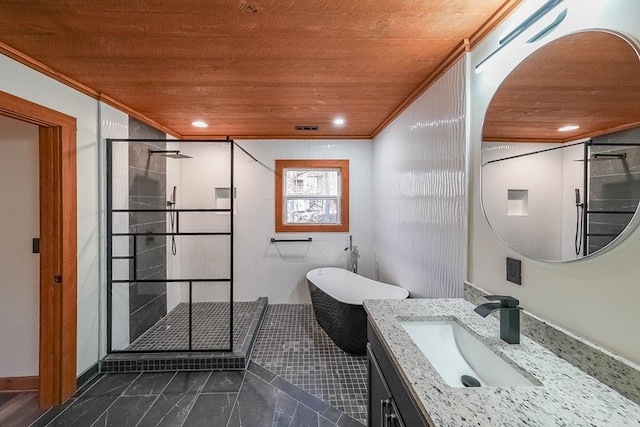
x: 346, y: 324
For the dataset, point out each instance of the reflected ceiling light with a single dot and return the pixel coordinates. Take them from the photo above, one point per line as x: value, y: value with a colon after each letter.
x: 199, y: 124
x: 339, y: 121
x: 568, y: 128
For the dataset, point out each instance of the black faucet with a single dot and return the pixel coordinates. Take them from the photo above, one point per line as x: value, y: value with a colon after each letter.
x: 509, y: 316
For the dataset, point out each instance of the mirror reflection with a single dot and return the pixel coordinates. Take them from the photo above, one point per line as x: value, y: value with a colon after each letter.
x: 561, y: 148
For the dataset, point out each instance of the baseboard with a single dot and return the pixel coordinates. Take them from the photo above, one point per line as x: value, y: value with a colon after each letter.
x: 87, y: 375
x: 19, y: 384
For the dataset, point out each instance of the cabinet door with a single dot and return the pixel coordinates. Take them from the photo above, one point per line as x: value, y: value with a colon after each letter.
x: 379, y: 393
x: 407, y: 412
x: 391, y: 415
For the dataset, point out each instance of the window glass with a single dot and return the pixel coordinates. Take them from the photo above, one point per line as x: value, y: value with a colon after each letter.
x: 312, y: 195
x: 312, y: 182
x: 312, y: 211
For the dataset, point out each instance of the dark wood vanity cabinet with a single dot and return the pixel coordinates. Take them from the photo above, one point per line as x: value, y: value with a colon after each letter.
x: 382, y: 409
x: 390, y: 404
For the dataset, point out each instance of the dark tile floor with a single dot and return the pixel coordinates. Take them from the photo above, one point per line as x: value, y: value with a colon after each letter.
x: 292, y: 345
x: 248, y: 319
x: 252, y: 398
x: 297, y: 378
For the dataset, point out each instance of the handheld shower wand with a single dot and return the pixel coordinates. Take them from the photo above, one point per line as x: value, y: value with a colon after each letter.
x: 579, y: 223
x: 171, y: 203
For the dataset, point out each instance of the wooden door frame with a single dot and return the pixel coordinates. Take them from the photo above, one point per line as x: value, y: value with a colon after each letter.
x: 58, y: 246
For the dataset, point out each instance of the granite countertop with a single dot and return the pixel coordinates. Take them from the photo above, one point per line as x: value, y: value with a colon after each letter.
x: 566, y: 397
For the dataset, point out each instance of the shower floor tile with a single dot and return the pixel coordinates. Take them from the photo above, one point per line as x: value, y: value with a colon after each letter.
x: 210, y: 321
x: 292, y: 345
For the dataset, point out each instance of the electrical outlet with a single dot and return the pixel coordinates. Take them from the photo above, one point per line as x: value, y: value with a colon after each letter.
x: 514, y: 271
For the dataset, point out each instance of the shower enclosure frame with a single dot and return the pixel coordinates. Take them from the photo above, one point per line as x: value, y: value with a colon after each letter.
x: 586, y: 211
x: 132, y: 251
x: 585, y: 232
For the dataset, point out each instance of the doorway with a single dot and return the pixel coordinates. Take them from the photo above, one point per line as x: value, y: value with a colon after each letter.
x: 58, y: 246
x: 19, y: 261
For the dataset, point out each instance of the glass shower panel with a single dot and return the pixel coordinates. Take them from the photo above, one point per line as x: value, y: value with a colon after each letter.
x: 201, y: 222
x: 201, y: 257
x: 169, y: 239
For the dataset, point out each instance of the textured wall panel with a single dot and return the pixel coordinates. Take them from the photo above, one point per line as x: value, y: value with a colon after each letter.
x: 420, y: 192
x: 115, y: 124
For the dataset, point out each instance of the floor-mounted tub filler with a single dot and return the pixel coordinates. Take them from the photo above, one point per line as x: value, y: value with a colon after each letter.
x: 337, y: 295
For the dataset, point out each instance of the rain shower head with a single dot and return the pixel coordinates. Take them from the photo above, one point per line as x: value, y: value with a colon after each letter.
x: 174, y: 154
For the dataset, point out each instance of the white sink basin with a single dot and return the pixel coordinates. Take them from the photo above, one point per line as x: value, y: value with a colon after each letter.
x: 453, y: 351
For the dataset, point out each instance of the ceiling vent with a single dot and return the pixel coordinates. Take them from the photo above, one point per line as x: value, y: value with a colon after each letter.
x: 307, y: 128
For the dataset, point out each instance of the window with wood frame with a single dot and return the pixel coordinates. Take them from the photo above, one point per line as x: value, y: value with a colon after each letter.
x: 312, y: 195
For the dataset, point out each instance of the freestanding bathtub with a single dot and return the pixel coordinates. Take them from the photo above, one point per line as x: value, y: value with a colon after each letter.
x: 336, y: 297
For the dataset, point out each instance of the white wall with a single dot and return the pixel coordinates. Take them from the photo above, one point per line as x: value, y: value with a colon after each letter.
x: 19, y: 267
x: 595, y: 298
x: 278, y: 270
x: 420, y: 192
x: 260, y: 267
x: 28, y: 84
x: 548, y: 231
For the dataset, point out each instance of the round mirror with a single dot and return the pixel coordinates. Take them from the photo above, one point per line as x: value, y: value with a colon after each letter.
x: 561, y: 148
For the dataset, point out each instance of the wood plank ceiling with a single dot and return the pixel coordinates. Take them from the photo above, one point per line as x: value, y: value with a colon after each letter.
x: 250, y: 69
x: 590, y: 79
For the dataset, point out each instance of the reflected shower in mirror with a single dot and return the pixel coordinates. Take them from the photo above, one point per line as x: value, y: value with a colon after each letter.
x: 561, y: 148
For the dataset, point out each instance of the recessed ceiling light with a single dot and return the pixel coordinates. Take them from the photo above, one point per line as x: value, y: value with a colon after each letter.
x: 199, y: 124
x: 568, y: 128
x: 339, y: 121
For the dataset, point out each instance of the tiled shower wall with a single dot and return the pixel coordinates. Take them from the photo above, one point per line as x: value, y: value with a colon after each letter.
x: 262, y: 268
x: 197, y: 181
x: 147, y: 190
x: 530, y: 231
x: 613, y: 186
x: 419, y: 192
x: 278, y: 270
